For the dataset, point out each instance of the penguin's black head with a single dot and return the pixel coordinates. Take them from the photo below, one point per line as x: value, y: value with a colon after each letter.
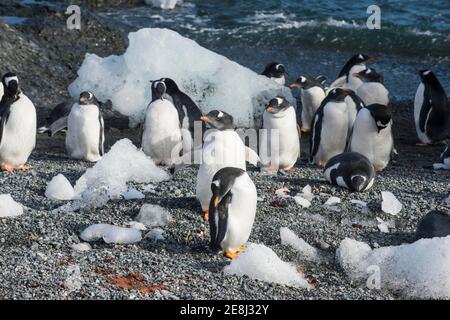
x: 358, y: 182
x: 301, y: 82
x: 426, y: 75
x: 369, y: 75
x: 275, y: 70
x: 171, y: 86
x: 338, y: 94
x: 361, y: 58
x: 277, y: 104
x: 381, y: 114
x: 10, y: 82
x: 86, y: 98
x: 218, y: 120
x: 159, y: 88
x: 222, y: 183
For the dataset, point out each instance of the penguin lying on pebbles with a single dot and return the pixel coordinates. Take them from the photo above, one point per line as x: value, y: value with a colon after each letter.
x: 222, y: 148
x: 279, y: 122
x: 330, y: 127
x: 350, y: 170
x: 276, y: 71
x: 346, y: 78
x: 312, y: 93
x: 232, y: 210
x: 372, y: 135
x: 17, y: 126
x: 85, y: 130
x: 372, y: 90
x: 431, y: 110
x: 434, y: 224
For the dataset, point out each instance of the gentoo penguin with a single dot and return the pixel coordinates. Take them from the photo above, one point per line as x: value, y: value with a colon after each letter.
x: 222, y: 148
x: 312, y: 93
x: 350, y: 170
x: 372, y: 135
x: 434, y: 224
x: 330, y: 128
x: 188, y: 112
x: 85, y: 130
x: 431, y: 110
x: 17, y: 126
x: 346, y: 78
x: 276, y: 71
x: 279, y: 122
x: 233, y: 209
x: 372, y: 90
x: 161, y: 138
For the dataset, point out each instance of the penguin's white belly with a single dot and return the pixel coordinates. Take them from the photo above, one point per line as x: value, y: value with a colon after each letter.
x: 284, y: 150
x: 334, y: 132
x: 241, y: 214
x: 221, y: 149
x: 19, y: 133
x: 83, y: 133
x: 373, y: 92
x: 418, y: 102
x: 1, y: 90
x: 161, y: 139
x: 311, y: 100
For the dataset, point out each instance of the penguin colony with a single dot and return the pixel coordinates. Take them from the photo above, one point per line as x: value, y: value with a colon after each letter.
x: 349, y: 124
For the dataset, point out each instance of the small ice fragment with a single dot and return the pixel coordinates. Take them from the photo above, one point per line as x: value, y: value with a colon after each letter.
x: 305, y: 250
x: 9, y: 207
x: 111, y: 234
x: 332, y: 201
x: 302, y: 201
x: 283, y: 192
x: 307, y: 193
x: 390, y: 203
x: 382, y: 226
x: 361, y: 205
x: 136, y: 225
x: 73, y: 280
x: 133, y: 194
x: 155, y: 235
x: 153, y: 216
x: 82, y: 246
x: 59, y: 188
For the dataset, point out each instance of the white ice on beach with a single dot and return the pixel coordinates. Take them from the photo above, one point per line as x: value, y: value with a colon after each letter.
x: 133, y: 194
x: 382, y: 225
x: 59, y: 188
x: 9, y: 207
x: 282, y: 192
x: 390, y: 203
x: 136, y: 225
x: 419, y: 270
x: 361, y: 205
x: 163, y: 4
x: 302, y: 201
x: 73, y: 281
x: 262, y: 263
x: 82, y: 246
x: 305, y: 250
x: 111, y: 234
x: 153, y: 216
x: 155, y: 235
x: 108, y: 178
x: 207, y: 77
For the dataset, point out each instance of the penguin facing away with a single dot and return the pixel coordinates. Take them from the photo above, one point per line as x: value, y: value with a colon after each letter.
x: 350, y: 170
x: 354, y: 65
x: 85, y: 130
x: 279, y: 120
x: 372, y: 90
x: 276, y: 71
x: 161, y: 138
x: 431, y: 110
x: 434, y: 224
x: 312, y: 93
x: 17, y: 126
x: 330, y: 128
x: 372, y: 135
x: 232, y: 210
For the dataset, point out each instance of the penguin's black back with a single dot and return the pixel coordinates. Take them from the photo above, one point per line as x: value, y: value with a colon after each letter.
x: 435, y: 122
x: 434, y: 224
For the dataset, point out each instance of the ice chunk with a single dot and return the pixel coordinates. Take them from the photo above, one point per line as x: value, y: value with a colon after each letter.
x: 136, y: 225
x: 73, y: 281
x: 155, y: 235
x: 153, y: 216
x: 207, y: 77
x: 332, y: 201
x: 305, y: 250
x: 163, y: 4
x: 133, y: 194
x: 307, y: 193
x: 283, y: 192
x: 111, y: 234
x: 419, y: 270
x: 8, y: 207
x: 262, y: 263
x: 382, y: 225
x: 108, y: 178
x: 302, y: 201
x: 390, y: 203
x: 361, y: 205
x: 82, y: 246
x: 59, y: 188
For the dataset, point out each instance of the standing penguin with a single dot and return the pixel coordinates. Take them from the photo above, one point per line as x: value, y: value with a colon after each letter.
x: 372, y: 90
x: 279, y: 120
x: 372, y: 135
x: 312, y: 93
x: 161, y: 138
x: 330, y: 128
x: 346, y: 78
x: 222, y: 148
x: 276, y: 71
x: 85, y: 130
x: 17, y: 126
x: 188, y: 113
x: 233, y: 210
x: 350, y: 170
x: 431, y: 110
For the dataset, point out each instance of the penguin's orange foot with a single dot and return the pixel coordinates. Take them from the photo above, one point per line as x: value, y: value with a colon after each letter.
x: 379, y: 167
x: 231, y: 255
x: 24, y: 168
x: 305, y: 130
x: 421, y: 144
x: 206, y: 215
x: 321, y: 163
x: 7, y: 167
x: 241, y: 248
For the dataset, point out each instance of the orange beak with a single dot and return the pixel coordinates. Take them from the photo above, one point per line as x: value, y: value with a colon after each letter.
x: 269, y: 109
x: 293, y: 85
x: 216, y: 201
x: 204, y: 118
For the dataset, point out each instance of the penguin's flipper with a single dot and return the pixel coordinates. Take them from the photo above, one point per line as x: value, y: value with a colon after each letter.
x: 316, y: 133
x: 425, y: 110
x: 57, y: 126
x: 321, y: 78
x: 218, y: 220
x: 101, y: 140
x: 5, y: 109
x: 251, y: 156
